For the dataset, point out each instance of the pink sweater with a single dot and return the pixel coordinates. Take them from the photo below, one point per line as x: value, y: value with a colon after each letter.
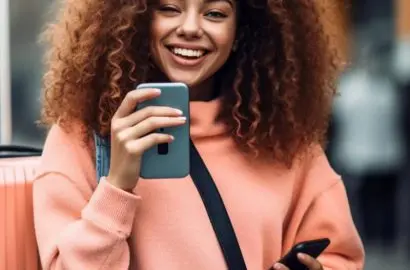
x: 163, y: 224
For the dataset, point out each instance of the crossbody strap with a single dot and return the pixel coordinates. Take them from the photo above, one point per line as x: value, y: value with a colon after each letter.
x: 209, y: 194
x: 216, y: 211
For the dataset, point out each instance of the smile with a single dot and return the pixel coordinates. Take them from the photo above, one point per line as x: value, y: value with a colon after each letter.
x: 187, y: 57
x: 187, y: 53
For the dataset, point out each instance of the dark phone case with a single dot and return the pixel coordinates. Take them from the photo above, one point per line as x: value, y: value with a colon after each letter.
x: 313, y: 248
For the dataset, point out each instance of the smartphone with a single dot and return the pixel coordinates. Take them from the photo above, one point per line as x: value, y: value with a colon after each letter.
x: 168, y: 160
x: 313, y: 248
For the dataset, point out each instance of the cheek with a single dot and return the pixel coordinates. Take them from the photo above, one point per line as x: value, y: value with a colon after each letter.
x: 159, y: 29
x: 156, y: 34
x: 224, y: 39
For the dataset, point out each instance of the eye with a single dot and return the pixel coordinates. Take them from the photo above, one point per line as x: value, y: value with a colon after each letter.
x: 215, y: 14
x: 168, y: 9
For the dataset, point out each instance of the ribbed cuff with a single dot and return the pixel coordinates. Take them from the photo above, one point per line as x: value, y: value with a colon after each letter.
x: 112, y: 208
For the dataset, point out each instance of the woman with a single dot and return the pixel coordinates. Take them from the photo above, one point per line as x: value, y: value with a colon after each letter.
x: 260, y: 79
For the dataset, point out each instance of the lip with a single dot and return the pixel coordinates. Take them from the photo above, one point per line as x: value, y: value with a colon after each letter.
x: 184, y: 61
x: 188, y: 46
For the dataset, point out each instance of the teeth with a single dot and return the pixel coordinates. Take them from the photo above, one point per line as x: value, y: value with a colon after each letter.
x: 188, y: 52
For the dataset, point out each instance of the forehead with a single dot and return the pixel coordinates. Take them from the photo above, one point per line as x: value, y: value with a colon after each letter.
x: 201, y: 2
x: 231, y: 2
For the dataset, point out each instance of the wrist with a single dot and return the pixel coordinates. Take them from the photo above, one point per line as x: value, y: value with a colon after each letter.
x: 119, y: 184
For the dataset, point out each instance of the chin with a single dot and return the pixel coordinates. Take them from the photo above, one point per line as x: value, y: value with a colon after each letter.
x: 191, y: 80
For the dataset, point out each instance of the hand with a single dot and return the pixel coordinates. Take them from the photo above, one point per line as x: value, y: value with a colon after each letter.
x: 307, y: 260
x: 132, y: 134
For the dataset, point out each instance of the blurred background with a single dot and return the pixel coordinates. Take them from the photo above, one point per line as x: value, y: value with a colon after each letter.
x: 369, y: 135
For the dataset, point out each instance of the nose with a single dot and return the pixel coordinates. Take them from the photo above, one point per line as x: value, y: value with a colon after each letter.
x: 190, y: 26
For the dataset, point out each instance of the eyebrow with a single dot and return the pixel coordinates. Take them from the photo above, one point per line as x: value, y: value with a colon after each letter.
x: 230, y: 2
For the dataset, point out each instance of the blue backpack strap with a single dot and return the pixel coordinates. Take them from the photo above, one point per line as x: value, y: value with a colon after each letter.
x: 102, y: 156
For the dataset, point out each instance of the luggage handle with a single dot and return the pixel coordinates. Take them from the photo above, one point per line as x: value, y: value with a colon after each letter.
x: 7, y: 151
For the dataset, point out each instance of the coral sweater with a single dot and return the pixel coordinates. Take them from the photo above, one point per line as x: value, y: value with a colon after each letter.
x: 163, y: 224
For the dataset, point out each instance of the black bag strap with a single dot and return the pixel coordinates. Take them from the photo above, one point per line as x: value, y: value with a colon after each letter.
x: 216, y: 211
x: 11, y: 151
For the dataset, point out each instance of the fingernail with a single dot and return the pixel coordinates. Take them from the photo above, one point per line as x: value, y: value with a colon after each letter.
x: 182, y: 118
x: 277, y: 266
x: 179, y: 112
x: 171, y: 137
x: 301, y: 256
x: 157, y: 90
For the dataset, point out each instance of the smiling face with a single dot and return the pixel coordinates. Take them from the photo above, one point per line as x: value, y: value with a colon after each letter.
x: 192, y: 39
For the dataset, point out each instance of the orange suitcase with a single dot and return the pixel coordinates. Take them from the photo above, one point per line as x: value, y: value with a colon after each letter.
x: 18, y: 247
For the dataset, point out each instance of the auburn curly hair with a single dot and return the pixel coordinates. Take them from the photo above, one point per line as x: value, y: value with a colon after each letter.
x: 277, y: 86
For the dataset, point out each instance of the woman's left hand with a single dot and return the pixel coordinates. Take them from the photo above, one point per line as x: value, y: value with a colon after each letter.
x: 307, y: 260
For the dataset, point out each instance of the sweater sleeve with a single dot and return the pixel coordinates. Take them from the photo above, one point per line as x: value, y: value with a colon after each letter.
x: 329, y: 216
x: 77, y: 226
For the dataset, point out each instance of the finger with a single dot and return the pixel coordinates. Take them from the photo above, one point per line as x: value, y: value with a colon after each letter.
x: 129, y: 104
x: 145, y: 113
x: 279, y: 266
x: 149, y: 125
x: 309, y: 261
x: 143, y: 144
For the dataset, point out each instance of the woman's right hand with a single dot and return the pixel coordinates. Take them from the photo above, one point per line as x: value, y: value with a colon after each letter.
x: 132, y: 133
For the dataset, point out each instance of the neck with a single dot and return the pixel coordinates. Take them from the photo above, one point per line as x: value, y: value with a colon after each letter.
x: 203, y: 92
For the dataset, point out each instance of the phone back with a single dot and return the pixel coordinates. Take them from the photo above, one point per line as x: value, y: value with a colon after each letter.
x: 313, y: 248
x: 168, y: 160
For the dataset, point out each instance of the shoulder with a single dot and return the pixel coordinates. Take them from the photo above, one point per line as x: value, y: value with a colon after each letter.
x: 314, y: 174
x: 68, y: 151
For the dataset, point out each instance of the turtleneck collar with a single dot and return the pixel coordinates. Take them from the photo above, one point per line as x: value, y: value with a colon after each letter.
x: 203, y: 116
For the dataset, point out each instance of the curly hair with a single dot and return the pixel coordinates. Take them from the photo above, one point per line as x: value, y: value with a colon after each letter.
x: 277, y: 86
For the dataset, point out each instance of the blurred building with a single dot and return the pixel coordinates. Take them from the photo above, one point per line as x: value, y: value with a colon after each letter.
x: 26, y: 22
